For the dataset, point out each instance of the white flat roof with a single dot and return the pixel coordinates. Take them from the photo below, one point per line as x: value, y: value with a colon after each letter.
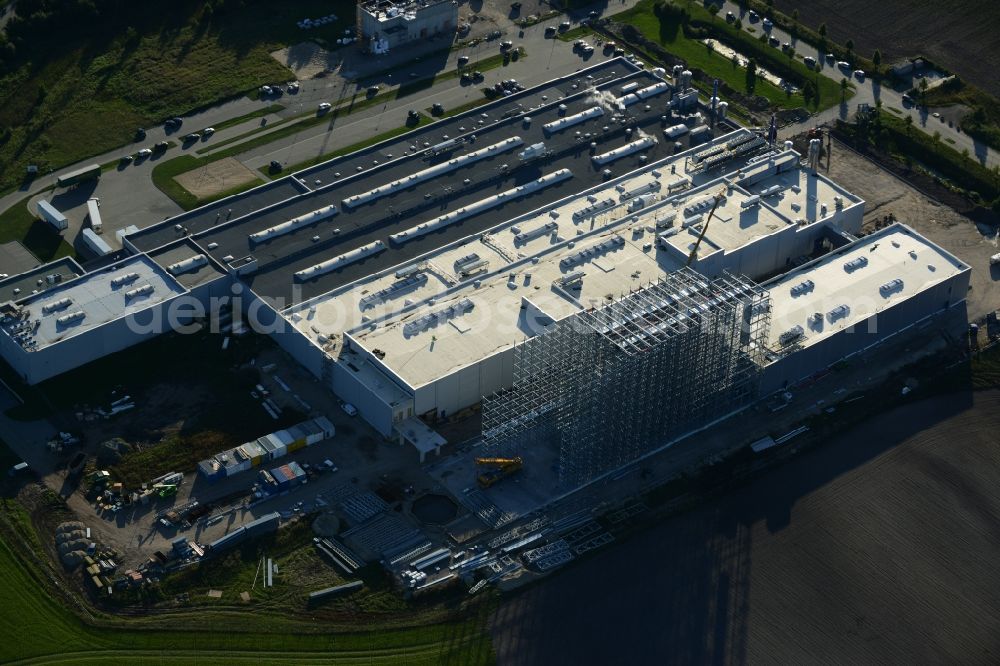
x: 860, y: 276
x: 444, y: 320
x: 56, y: 312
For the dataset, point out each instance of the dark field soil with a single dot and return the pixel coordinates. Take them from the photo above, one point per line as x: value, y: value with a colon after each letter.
x: 880, y: 546
x: 961, y: 35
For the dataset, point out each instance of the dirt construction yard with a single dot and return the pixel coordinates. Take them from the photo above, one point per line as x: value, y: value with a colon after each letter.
x: 215, y: 178
x: 961, y: 35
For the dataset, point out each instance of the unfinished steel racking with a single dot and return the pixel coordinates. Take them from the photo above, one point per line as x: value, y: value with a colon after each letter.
x: 607, y: 385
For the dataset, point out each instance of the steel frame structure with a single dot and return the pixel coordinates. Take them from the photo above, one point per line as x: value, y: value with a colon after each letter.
x: 610, y: 384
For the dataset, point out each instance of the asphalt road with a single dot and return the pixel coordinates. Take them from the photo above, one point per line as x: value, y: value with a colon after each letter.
x: 867, y: 92
x: 129, y: 197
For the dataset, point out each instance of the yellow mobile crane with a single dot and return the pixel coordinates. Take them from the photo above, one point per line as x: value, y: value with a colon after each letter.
x: 496, y: 469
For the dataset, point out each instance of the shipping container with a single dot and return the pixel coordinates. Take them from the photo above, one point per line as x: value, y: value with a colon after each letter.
x: 51, y: 214
x: 95, y: 243
x: 91, y: 172
x: 94, y: 212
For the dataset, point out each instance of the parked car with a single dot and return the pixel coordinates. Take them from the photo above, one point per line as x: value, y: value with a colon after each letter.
x: 207, y: 132
x: 730, y: 17
x: 463, y: 59
x: 193, y: 136
x: 506, y: 45
x: 565, y: 25
x: 125, y: 160
x: 859, y: 74
x: 323, y: 107
x: 145, y: 152
x: 140, y: 134
x: 293, y: 87
x: 550, y: 30
x: 275, y: 166
x: 349, y: 409
x: 372, y: 91
x: 161, y: 146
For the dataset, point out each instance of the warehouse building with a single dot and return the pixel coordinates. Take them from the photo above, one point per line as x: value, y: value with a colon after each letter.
x: 846, y: 302
x: 385, y: 25
x: 81, y: 319
x: 408, y: 276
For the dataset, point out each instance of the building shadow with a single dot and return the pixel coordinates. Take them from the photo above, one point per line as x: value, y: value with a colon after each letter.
x: 680, y: 591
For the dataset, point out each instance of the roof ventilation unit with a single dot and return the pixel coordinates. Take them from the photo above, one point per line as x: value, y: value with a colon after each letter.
x: 855, y: 264
x: 192, y: 263
x: 54, y: 306
x: 790, y: 336
x: 340, y: 261
x: 295, y: 223
x: 139, y: 291
x: 891, y: 287
x: 803, y: 287
x: 71, y: 318
x: 127, y: 278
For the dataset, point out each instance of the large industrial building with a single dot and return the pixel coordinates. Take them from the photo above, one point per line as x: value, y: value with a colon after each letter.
x: 384, y: 24
x: 602, y: 234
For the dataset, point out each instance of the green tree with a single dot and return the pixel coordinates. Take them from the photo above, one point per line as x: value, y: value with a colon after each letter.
x: 809, y: 93
x: 909, y: 125
x: 713, y: 9
x: 738, y: 25
x: 877, y: 60
x: 850, y: 47
x: 751, y: 77
x: 735, y: 60
x: 822, y: 30
x: 843, y: 89
x: 923, y: 90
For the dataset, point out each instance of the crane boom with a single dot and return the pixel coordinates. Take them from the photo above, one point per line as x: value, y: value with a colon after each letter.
x: 694, y: 251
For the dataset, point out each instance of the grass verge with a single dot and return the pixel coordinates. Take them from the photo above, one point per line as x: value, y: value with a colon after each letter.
x: 18, y: 224
x: 894, y: 135
x: 88, y: 96
x: 982, y: 122
x: 680, y: 31
x: 39, y: 627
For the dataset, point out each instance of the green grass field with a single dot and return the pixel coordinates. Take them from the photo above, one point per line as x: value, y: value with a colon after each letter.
x: 38, y: 628
x: 17, y: 223
x: 88, y: 100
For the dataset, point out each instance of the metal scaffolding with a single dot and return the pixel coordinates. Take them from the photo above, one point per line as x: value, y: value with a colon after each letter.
x: 607, y: 385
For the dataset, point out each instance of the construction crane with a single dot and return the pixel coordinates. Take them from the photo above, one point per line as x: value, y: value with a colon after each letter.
x: 715, y: 204
x: 497, y: 469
